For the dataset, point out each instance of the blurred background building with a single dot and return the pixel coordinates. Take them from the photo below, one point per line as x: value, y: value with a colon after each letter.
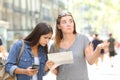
x: 22, y: 15
x: 19, y: 17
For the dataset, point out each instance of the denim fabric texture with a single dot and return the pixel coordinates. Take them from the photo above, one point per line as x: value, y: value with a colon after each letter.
x: 26, y: 60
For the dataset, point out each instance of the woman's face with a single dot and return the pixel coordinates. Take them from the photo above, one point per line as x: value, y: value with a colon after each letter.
x: 66, y: 24
x: 44, y: 39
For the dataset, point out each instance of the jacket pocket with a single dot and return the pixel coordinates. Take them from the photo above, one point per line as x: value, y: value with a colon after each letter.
x: 25, y: 62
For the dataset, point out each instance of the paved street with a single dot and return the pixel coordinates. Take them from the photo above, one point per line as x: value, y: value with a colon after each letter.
x: 104, y: 71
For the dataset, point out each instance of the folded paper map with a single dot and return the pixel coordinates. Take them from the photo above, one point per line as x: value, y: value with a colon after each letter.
x: 60, y: 58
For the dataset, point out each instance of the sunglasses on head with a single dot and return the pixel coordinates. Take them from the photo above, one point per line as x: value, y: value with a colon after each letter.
x: 64, y: 13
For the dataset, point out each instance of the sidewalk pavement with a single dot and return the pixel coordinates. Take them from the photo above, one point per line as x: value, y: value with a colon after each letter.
x: 104, y: 71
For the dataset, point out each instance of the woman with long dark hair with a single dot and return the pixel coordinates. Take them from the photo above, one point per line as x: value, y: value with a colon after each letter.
x: 35, y: 52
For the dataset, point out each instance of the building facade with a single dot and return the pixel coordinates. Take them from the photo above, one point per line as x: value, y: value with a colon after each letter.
x: 23, y: 15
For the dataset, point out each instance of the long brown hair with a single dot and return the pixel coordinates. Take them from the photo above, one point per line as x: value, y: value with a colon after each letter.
x: 40, y: 29
x: 58, y: 32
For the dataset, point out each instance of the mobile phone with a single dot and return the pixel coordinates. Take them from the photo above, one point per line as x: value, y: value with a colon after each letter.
x: 34, y: 66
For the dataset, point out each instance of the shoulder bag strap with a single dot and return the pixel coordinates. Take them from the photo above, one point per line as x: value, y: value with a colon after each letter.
x: 21, y: 51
